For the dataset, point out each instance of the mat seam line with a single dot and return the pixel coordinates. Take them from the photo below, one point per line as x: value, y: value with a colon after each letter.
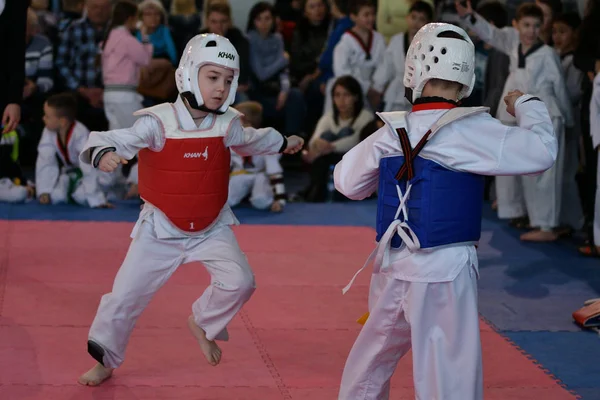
x: 264, y: 354
x: 530, y: 357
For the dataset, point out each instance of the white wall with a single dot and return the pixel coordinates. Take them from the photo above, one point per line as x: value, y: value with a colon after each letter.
x: 240, y: 10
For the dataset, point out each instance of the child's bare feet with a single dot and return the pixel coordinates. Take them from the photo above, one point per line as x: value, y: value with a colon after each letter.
x: 95, y: 376
x: 211, y: 351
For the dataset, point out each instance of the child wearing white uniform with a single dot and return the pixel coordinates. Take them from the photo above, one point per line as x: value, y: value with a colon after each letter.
x: 184, y: 160
x: 426, y: 166
x: 261, y: 176
x: 359, y: 51
x: 389, y: 75
x: 60, y: 176
x: 534, y: 68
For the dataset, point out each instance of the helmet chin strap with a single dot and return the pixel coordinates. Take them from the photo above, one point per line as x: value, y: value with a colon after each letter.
x: 191, y: 99
x: 408, y: 93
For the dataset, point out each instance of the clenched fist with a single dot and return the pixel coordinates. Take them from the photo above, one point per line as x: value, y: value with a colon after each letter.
x: 110, y: 161
x: 510, y: 99
x: 294, y: 144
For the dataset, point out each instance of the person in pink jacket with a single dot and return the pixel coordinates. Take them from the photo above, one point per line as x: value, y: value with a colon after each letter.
x: 122, y: 58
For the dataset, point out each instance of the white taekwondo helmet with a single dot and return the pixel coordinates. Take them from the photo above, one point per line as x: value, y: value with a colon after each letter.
x: 432, y: 57
x: 207, y: 48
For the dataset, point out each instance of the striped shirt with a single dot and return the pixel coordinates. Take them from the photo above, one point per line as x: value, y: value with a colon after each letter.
x: 39, y: 63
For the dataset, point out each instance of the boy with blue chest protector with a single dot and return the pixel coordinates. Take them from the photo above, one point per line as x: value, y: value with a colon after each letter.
x: 427, y: 166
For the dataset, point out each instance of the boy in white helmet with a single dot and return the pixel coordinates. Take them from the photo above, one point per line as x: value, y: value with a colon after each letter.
x: 183, y: 179
x: 427, y: 167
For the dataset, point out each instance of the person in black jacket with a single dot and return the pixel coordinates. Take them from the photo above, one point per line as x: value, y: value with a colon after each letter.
x: 13, y: 20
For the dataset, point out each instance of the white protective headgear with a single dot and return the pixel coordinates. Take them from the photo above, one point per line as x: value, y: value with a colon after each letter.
x: 433, y: 57
x: 207, y: 48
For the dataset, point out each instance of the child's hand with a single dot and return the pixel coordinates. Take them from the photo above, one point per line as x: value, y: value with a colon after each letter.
x: 463, y: 10
x: 110, y: 161
x: 294, y: 144
x: 44, y: 198
x: 281, y: 99
x: 510, y: 99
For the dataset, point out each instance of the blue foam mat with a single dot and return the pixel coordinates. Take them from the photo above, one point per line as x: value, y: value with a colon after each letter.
x: 337, y: 214
x: 572, y: 357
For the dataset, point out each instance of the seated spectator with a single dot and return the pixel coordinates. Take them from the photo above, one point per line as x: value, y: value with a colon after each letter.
x: 157, y: 80
x: 77, y: 66
x: 257, y: 178
x: 185, y: 21
x: 308, y: 41
x: 47, y: 20
x: 269, y: 62
x: 218, y: 21
x: 153, y: 18
x: 60, y: 176
x: 337, y: 132
x: 72, y: 10
x: 39, y: 80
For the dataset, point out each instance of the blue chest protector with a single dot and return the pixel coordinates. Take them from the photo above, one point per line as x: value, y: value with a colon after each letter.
x: 443, y: 206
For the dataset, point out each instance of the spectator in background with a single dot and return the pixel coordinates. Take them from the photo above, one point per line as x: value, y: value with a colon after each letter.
x: 392, y: 16
x: 13, y: 22
x: 308, y: 41
x: 39, y: 80
x: 38, y: 59
x: 550, y: 8
x: 77, y: 65
x: 72, y: 10
x: 269, y: 64
x: 185, y: 21
x: 337, y: 132
x: 341, y: 23
x: 153, y: 19
x: 13, y: 17
x: 218, y: 21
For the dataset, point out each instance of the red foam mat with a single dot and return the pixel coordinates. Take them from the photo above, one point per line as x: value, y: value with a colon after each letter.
x: 290, y: 341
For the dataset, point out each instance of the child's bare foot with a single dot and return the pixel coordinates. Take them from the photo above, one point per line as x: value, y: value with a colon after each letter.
x: 95, y: 376
x: 211, y: 351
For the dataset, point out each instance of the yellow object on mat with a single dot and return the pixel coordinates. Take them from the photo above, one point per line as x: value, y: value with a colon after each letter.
x: 363, y: 319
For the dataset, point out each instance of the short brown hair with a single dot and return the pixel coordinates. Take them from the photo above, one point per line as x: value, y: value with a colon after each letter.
x: 354, y: 6
x: 220, y: 7
x: 529, y: 10
x: 64, y: 104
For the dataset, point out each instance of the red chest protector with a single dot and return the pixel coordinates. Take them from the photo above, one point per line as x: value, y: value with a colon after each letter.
x: 188, y: 179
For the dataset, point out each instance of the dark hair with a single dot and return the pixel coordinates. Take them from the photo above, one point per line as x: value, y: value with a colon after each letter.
x: 65, y: 105
x: 423, y: 8
x: 571, y: 19
x: 555, y: 5
x: 258, y: 9
x: 219, y: 7
x: 354, y: 6
x: 122, y: 11
x: 529, y: 10
x: 342, y: 5
x: 494, y: 12
x: 303, y: 26
x: 351, y: 85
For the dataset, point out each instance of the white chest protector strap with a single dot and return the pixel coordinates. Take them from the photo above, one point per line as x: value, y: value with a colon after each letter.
x: 395, y: 121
